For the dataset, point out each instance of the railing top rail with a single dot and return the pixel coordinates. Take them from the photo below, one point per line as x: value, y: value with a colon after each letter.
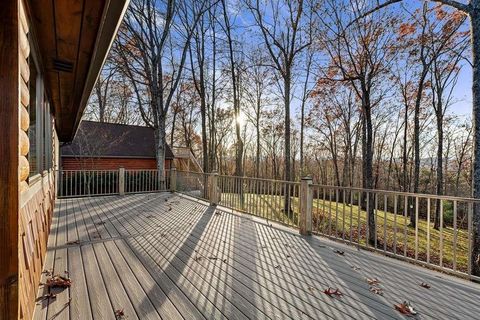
x: 390, y: 192
x: 145, y: 170
x: 259, y: 179
x: 89, y: 170
x: 399, y: 193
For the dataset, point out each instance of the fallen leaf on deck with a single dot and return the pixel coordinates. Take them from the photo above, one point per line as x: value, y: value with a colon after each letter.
x: 373, y: 281
x: 425, y: 285
x: 73, y: 242
x: 339, y: 252
x: 332, y: 292
x: 405, y: 308
x: 377, y: 290
x: 119, y: 314
x: 58, y: 281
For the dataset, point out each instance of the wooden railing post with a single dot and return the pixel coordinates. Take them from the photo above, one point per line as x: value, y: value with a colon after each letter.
x: 173, y: 179
x: 212, y: 187
x: 306, y: 204
x: 121, y: 181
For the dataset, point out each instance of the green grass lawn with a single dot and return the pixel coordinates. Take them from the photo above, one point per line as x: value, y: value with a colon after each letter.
x: 333, y: 218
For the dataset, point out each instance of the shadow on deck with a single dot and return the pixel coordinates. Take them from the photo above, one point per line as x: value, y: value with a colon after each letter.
x: 167, y: 256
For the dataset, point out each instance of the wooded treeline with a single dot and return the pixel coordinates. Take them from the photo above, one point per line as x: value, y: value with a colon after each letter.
x: 281, y: 89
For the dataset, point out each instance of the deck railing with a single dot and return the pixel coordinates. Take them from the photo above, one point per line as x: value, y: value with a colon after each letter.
x: 81, y: 183
x: 434, y: 231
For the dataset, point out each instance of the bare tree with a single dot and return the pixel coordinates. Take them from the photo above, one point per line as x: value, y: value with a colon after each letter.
x: 257, y: 96
x: 286, y: 32
x: 359, y: 56
x: 152, y: 47
x: 234, y: 74
x: 309, y: 54
x: 472, y: 10
x: 445, y: 69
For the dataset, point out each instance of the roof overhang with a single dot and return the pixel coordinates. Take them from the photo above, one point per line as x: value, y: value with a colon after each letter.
x: 73, y: 39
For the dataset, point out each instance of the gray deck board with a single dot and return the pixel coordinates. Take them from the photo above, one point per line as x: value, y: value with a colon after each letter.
x: 167, y: 256
x: 58, y: 307
x: 41, y: 308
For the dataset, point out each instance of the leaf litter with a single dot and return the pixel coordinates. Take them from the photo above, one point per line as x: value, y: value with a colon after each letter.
x: 333, y: 292
x: 405, y: 308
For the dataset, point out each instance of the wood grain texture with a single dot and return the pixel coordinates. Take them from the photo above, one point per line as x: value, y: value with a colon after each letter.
x: 24, y: 143
x: 23, y: 168
x: 164, y: 256
x: 34, y: 227
x: 24, y: 94
x: 9, y: 126
x: 24, y: 118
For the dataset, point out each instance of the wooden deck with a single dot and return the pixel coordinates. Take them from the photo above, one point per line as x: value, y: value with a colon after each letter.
x: 166, y: 256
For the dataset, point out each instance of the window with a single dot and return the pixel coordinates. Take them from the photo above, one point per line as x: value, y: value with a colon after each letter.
x: 47, y: 136
x: 32, y: 110
x: 40, y: 130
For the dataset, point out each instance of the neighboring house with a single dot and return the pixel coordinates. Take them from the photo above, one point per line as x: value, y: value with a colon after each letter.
x: 51, y: 53
x: 110, y: 146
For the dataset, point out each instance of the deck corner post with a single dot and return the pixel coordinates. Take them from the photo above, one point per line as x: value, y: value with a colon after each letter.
x: 212, y: 187
x: 121, y: 181
x: 306, y: 204
x: 173, y: 179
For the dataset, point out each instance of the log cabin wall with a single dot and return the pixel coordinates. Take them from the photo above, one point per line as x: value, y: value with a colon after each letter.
x: 9, y: 192
x: 37, y: 192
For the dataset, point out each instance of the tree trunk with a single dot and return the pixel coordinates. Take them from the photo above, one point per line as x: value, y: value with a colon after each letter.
x: 159, y: 133
x: 204, y: 135
x: 439, y: 116
x: 288, y: 175
x: 475, y: 34
x: 405, y: 159
x: 257, y: 160
x: 369, y: 171
x: 101, y: 103
x: 416, y: 160
x: 172, y: 134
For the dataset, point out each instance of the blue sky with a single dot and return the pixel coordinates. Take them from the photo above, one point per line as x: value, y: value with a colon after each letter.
x: 463, y: 92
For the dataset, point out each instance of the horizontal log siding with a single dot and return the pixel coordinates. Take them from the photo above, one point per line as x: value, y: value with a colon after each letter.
x: 70, y: 163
